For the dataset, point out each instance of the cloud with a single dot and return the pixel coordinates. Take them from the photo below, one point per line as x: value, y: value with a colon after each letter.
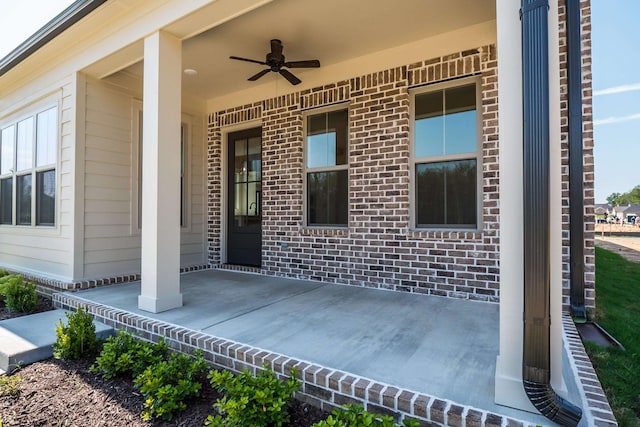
x: 610, y: 120
x: 617, y: 89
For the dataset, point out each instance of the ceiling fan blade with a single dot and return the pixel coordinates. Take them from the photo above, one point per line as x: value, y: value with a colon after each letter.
x: 276, y: 49
x: 248, y: 60
x: 258, y: 75
x: 312, y: 63
x: 292, y: 79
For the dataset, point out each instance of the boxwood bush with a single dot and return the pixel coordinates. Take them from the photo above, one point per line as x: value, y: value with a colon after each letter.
x: 18, y: 295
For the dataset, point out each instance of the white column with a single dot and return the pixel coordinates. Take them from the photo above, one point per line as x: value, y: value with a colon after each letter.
x: 509, y: 390
x: 555, y: 202
x: 161, y: 174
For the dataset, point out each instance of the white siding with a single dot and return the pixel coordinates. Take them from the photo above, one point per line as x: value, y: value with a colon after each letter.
x: 47, y: 251
x: 107, y: 177
x: 111, y: 239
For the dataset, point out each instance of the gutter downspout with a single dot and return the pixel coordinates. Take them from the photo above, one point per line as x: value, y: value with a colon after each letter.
x: 536, y: 365
x: 576, y: 193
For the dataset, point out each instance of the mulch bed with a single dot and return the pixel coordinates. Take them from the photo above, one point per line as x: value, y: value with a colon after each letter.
x: 44, y: 304
x: 64, y: 393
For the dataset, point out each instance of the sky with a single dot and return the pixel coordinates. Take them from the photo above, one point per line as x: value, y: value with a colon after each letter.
x: 19, y: 19
x: 616, y: 80
x: 616, y: 95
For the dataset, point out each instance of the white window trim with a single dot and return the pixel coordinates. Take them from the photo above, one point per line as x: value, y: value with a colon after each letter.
x: 306, y: 170
x: 413, y: 160
x: 35, y: 169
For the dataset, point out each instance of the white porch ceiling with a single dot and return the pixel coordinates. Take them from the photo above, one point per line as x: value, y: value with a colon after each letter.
x: 332, y: 31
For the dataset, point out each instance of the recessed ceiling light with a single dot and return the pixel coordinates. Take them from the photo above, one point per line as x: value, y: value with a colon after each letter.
x: 190, y: 72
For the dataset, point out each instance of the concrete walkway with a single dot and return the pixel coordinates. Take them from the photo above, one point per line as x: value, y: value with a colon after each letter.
x: 433, y: 345
x: 29, y: 339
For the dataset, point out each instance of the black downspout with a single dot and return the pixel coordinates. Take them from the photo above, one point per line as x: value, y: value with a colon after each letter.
x: 576, y: 195
x: 536, y: 369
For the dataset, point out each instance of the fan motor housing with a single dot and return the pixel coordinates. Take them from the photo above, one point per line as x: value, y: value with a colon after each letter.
x: 273, y: 62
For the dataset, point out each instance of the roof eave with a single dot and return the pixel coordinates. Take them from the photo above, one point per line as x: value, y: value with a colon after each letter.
x: 74, y: 13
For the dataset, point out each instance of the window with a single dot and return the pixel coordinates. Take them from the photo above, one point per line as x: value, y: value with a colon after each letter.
x: 446, y: 156
x: 184, y: 181
x: 28, y: 155
x: 327, y: 168
x: 136, y: 170
x: 6, y: 204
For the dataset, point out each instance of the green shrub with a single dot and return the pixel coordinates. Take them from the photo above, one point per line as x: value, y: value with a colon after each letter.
x: 356, y: 416
x: 5, y: 278
x: 3, y: 285
x: 167, y: 384
x: 77, y: 338
x: 124, y: 354
x: 18, y: 294
x: 252, y: 401
x: 9, y: 385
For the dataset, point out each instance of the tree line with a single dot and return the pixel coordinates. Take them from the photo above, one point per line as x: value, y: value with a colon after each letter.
x: 617, y: 199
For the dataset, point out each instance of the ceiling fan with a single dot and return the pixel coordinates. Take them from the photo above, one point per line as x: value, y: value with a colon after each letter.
x: 275, y: 61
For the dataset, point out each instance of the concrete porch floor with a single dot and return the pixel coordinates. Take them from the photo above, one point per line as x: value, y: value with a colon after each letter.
x: 439, y: 346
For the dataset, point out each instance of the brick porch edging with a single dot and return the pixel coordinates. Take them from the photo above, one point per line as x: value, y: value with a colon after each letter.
x: 323, y: 387
x: 48, y: 286
x: 598, y: 412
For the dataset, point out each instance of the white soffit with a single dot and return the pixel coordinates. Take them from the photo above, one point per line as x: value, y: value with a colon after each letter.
x: 333, y: 31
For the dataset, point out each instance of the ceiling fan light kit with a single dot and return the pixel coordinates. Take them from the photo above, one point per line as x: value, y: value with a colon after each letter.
x: 275, y: 61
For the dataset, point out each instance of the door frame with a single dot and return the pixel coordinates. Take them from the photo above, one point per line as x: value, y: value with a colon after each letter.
x: 224, y: 179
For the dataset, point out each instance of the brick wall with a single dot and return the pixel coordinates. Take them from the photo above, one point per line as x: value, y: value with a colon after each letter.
x: 378, y: 249
x: 588, y: 159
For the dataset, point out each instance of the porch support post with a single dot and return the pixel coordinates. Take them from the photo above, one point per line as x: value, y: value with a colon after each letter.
x: 509, y: 390
x: 555, y: 204
x: 161, y: 174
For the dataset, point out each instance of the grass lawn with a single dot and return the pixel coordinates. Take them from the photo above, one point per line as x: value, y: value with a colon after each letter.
x: 618, y: 311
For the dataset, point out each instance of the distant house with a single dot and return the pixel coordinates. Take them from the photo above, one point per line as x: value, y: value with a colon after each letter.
x: 602, y: 211
x: 132, y: 147
x: 626, y: 213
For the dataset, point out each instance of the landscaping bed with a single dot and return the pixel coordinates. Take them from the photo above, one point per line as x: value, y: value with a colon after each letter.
x: 64, y: 393
x: 44, y: 304
x: 18, y: 297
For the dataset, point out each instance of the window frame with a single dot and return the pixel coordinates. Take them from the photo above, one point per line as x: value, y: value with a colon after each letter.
x: 415, y: 161
x: 306, y: 170
x: 35, y: 169
x: 136, y: 167
x: 137, y: 115
x: 185, y: 173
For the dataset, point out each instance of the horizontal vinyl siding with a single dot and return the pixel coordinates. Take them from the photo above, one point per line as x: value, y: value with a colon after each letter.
x: 48, y: 251
x: 111, y: 247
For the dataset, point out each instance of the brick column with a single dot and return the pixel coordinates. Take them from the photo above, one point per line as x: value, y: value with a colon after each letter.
x: 161, y: 174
